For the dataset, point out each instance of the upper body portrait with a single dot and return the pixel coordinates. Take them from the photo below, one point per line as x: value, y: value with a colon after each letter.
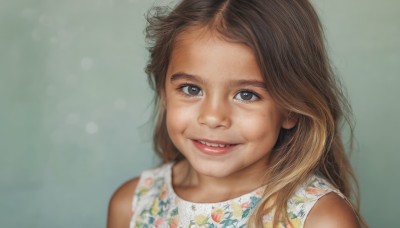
x: 248, y: 122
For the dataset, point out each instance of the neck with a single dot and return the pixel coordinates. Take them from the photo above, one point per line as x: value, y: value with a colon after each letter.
x: 196, y: 187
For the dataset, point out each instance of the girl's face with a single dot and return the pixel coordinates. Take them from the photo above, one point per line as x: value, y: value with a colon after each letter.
x: 218, y: 113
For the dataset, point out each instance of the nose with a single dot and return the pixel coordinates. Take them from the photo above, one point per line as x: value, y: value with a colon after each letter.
x: 215, y: 113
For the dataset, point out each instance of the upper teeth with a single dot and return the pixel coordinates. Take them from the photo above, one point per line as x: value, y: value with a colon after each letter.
x: 214, y: 144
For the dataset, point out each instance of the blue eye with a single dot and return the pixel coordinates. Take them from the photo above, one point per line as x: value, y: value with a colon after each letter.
x: 246, y: 96
x: 191, y: 90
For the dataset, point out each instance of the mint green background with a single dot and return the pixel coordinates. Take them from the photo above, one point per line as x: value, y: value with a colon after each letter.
x: 75, y: 105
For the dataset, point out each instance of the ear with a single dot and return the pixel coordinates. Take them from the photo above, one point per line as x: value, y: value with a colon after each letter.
x: 290, y: 121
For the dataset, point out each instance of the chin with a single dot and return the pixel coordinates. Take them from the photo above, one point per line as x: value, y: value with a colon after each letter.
x: 212, y: 168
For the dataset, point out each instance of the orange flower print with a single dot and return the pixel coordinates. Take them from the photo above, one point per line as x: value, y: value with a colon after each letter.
x: 159, y: 222
x: 164, y: 192
x: 245, y: 205
x: 217, y: 214
x: 149, y: 181
x: 173, y: 222
x: 314, y: 191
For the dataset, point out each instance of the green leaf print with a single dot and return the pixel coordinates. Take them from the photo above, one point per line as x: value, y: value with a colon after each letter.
x: 174, y: 212
x: 245, y: 213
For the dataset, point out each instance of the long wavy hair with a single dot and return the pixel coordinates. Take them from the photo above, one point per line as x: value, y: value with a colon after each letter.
x: 287, y: 40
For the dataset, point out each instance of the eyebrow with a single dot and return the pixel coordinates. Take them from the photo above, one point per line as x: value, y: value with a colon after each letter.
x: 184, y: 76
x: 255, y: 83
x: 235, y: 83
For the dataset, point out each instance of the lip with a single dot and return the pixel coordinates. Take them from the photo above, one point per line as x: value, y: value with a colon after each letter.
x: 213, y: 150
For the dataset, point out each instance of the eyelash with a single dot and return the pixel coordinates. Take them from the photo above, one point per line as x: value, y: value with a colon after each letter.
x: 183, y: 86
x: 255, y: 96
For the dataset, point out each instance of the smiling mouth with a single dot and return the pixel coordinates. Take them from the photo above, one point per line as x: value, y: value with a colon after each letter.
x: 214, y: 148
x: 217, y: 145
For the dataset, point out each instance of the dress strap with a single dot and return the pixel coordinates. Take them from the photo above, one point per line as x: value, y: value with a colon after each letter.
x: 303, y: 200
x: 149, y: 185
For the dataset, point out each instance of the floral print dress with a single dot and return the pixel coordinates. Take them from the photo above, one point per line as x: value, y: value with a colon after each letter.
x: 155, y: 204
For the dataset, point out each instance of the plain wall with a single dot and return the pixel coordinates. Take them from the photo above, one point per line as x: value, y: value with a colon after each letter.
x: 75, y: 107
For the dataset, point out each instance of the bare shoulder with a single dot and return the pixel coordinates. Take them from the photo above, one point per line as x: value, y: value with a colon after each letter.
x: 332, y: 211
x: 120, y: 206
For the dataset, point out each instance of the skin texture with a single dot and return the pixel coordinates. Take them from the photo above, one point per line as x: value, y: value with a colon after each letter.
x: 120, y: 206
x: 331, y: 211
x: 214, y: 93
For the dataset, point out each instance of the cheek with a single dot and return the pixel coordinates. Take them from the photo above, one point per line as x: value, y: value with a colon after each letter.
x: 263, y: 127
x: 178, y: 118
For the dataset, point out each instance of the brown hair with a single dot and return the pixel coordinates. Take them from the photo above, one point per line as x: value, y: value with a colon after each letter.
x: 287, y: 40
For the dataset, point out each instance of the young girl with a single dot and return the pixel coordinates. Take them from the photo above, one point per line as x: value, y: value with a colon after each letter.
x: 248, y: 122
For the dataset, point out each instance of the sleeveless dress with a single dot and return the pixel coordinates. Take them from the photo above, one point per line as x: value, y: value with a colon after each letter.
x: 155, y: 204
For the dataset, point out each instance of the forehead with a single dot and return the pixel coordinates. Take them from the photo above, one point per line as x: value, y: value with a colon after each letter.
x: 202, y: 51
x: 203, y: 36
